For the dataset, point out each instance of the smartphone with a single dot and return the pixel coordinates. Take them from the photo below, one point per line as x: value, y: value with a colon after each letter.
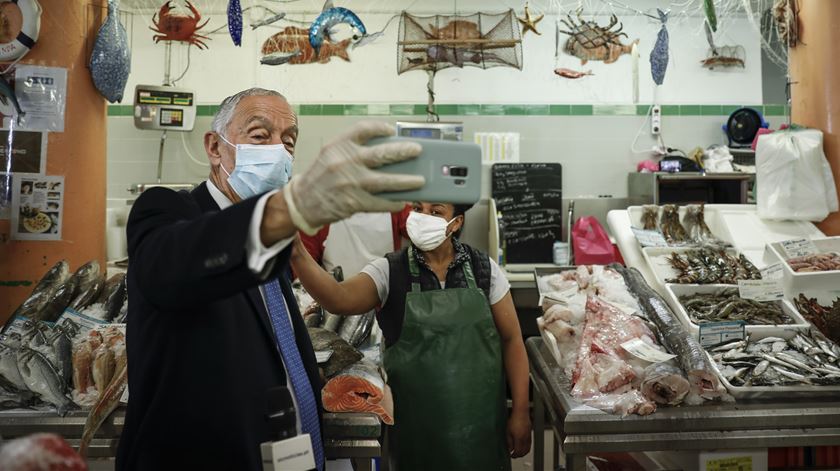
x: 452, y: 170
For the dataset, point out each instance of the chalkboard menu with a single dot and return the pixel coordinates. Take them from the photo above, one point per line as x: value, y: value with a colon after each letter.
x: 529, y: 197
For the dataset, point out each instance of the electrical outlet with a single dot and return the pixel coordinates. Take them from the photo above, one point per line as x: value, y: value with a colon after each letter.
x: 656, y: 120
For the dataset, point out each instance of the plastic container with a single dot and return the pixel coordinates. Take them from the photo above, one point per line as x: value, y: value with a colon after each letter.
x: 674, y: 291
x: 657, y: 260
x: 794, y: 282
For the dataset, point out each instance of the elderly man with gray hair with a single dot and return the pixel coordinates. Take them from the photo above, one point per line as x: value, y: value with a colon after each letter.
x: 212, y: 324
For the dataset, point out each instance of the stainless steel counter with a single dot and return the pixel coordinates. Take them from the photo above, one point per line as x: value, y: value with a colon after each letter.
x: 583, y: 430
x: 353, y: 436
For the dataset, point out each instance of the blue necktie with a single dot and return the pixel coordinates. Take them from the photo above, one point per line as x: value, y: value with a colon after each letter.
x: 285, y: 334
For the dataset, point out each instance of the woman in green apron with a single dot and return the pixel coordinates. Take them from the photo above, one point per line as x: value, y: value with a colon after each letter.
x: 451, y: 339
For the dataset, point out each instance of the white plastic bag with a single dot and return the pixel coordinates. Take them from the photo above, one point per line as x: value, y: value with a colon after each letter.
x: 718, y: 159
x: 794, y: 180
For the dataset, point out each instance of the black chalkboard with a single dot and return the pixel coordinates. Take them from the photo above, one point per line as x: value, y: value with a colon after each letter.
x: 529, y: 196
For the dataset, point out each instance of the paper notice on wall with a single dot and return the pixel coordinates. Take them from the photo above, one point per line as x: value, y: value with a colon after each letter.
x: 5, y: 195
x: 23, y: 151
x: 498, y: 147
x: 37, y: 207
x: 42, y: 93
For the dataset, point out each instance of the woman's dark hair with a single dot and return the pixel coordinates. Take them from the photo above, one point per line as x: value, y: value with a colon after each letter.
x: 459, y: 210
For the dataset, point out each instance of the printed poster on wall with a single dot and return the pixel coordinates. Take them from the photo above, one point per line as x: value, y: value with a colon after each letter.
x: 42, y: 94
x: 37, y: 207
x: 23, y: 151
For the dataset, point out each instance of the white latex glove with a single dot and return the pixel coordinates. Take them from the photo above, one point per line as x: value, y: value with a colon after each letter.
x: 340, y: 182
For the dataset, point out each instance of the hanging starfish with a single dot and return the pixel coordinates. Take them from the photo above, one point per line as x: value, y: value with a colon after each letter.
x: 528, y: 23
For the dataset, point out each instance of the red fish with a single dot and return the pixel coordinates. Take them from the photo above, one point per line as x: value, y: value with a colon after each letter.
x: 293, y: 39
x: 572, y: 74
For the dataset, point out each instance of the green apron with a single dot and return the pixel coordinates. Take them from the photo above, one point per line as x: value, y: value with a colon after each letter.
x: 447, y: 378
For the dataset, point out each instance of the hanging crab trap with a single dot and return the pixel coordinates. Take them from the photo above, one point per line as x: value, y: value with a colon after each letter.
x: 433, y: 43
x: 479, y: 40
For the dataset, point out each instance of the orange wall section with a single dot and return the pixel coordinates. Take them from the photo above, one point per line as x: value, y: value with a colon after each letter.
x: 815, y: 92
x: 67, y: 29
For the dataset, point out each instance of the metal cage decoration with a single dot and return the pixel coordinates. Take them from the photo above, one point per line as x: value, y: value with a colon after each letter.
x: 437, y: 42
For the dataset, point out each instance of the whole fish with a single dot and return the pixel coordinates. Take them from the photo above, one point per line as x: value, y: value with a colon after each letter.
x: 234, y: 21
x: 268, y: 21
x: 572, y: 74
x: 293, y: 39
x: 107, y: 403
x: 63, y: 351
x: 659, y: 55
x: 59, y: 301
x: 10, y: 399
x: 42, y: 378
x: 711, y: 16
x: 86, y: 276
x: 103, y: 367
x: 330, y: 16
x: 9, y: 367
x: 117, y: 297
x: 86, y: 297
x: 110, y: 62
x: 279, y: 58
x: 355, y: 329
x: 6, y: 94
x: 343, y: 354
x: 55, y: 276
x: 82, y: 360
x: 33, y: 305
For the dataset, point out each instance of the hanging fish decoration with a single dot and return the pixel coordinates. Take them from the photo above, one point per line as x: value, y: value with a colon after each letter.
x: 659, y: 55
x: 110, y: 62
x: 270, y: 20
x: 330, y: 16
x: 234, y: 21
x: 711, y: 16
x: 710, y: 39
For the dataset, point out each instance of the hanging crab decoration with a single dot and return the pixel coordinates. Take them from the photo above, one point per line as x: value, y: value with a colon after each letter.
x: 178, y: 26
x: 590, y: 41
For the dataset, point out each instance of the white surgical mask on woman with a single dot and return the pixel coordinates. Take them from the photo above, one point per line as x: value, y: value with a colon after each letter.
x: 259, y: 168
x: 427, y: 232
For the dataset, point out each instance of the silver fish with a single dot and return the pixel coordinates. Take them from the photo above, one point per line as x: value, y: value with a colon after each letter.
x: 33, y: 305
x: 761, y: 368
x: 86, y: 297
x: 279, y: 58
x: 60, y: 300
x: 793, y: 361
x: 42, y: 378
x: 792, y: 375
x: 355, y: 329
x: 55, y: 276
x: 110, y: 62
x: 268, y: 21
x: 63, y: 351
x: 9, y: 367
x: 116, y: 297
x: 332, y: 322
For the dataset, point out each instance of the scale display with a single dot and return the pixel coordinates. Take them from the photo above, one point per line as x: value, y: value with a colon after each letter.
x: 164, y: 108
x: 450, y: 131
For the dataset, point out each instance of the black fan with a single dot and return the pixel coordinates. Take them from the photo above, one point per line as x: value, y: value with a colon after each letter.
x: 742, y: 126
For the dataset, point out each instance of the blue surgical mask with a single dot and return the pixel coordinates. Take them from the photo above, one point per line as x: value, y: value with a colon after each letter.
x: 259, y: 168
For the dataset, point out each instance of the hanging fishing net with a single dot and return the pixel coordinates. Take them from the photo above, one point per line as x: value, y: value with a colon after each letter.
x: 437, y: 42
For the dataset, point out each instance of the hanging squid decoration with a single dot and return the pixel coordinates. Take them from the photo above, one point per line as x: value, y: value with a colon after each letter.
x: 659, y: 55
x: 110, y: 61
x: 234, y: 21
x: 178, y: 26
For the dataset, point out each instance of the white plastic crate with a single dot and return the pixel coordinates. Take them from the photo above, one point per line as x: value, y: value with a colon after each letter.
x: 674, y: 292
x: 795, y: 283
x: 657, y: 260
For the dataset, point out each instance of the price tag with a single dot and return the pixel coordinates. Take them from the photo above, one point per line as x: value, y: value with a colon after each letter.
x: 124, y: 397
x: 737, y: 463
x: 761, y: 290
x: 799, y: 247
x: 716, y: 333
x: 644, y: 351
x: 649, y: 238
x: 772, y: 272
x: 323, y: 356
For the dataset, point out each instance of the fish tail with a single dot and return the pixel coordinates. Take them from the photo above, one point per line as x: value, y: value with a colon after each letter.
x: 341, y: 50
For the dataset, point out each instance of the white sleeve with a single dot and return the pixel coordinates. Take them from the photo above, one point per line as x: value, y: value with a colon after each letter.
x: 260, y: 257
x: 499, y: 284
x: 379, y: 272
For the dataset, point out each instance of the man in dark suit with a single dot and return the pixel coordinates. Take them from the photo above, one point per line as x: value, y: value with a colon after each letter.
x: 212, y: 323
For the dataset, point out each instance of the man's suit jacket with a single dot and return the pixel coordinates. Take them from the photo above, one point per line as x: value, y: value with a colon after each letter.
x: 201, y: 350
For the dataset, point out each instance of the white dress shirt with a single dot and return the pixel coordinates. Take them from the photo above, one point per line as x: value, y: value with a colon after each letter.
x: 260, y: 258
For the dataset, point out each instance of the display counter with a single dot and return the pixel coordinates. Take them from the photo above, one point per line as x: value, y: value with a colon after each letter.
x: 583, y: 430
x: 353, y: 436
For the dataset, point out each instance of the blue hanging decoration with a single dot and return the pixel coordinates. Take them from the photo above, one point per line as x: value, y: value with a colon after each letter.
x: 659, y: 55
x: 234, y: 20
x: 110, y: 62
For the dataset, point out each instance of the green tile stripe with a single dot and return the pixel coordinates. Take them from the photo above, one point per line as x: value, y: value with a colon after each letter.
x: 448, y: 109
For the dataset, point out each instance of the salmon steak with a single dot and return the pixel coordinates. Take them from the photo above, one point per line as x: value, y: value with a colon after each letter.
x: 359, y: 388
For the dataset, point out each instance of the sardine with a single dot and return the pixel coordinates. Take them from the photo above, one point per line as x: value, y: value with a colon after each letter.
x: 43, y: 379
x: 268, y: 21
x: 108, y: 401
x: 792, y: 375
x: 103, y: 367
x: 279, y: 58
x: 86, y: 296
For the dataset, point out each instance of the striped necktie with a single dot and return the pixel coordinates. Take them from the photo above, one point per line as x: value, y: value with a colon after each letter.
x: 283, y: 331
